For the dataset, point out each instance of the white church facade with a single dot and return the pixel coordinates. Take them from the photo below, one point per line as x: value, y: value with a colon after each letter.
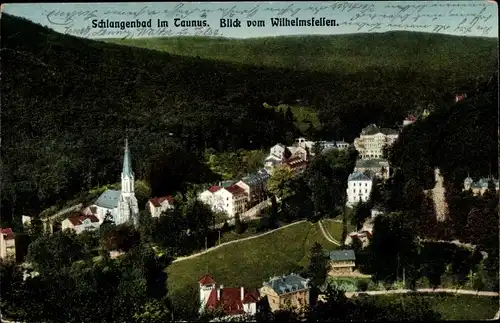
x: 121, y: 204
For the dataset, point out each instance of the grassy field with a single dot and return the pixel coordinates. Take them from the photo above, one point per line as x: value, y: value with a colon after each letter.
x: 302, y: 114
x: 249, y: 263
x: 335, y: 228
x: 347, y: 53
x: 460, y: 307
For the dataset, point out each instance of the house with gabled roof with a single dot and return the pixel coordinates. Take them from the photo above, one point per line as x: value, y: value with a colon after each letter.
x: 233, y: 302
x: 158, y: 205
x: 341, y: 262
x: 255, y: 186
x: 286, y: 291
x: 80, y: 222
x: 232, y: 199
x: 7, y: 243
x: 359, y: 187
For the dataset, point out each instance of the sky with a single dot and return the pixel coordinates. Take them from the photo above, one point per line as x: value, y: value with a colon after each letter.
x: 469, y: 18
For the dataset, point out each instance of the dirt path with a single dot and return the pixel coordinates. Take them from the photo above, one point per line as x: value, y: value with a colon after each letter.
x: 234, y: 241
x: 327, y: 234
x: 423, y: 290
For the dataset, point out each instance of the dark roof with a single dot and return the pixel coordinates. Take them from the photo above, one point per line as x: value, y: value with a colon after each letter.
x: 9, y: 234
x: 207, y: 280
x: 357, y: 176
x: 77, y: 220
x: 235, y: 190
x: 370, y: 163
x: 214, y: 188
x: 109, y: 199
x: 230, y: 299
x: 373, y: 129
x: 157, y: 201
x: 287, y: 284
x: 342, y: 255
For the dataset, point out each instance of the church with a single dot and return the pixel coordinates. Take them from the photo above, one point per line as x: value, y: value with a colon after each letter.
x: 122, y: 205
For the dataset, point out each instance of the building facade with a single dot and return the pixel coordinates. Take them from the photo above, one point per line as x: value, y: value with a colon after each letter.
x: 7, y: 244
x: 341, y: 262
x: 122, y: 204
x: 232, y: 199
x: 80, y: 223
x: 158, y: 205
x: 359, y: 188
x: 255, y: 186
x: 373, y: 167
x: 286, y: 291
x: 372, y: 140
x: 480, y: 186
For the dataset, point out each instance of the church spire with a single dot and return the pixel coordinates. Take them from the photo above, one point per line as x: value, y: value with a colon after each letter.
x: 127, y: 169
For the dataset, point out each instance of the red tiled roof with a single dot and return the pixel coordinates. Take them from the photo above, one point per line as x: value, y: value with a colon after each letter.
x: 411, y: 118
x: 235, y: 189
x: 207, y: 280
x: 157, y: 201
x: 230, y: 300
x: 9, y: 234
x: 214, y: 188
x: 78, y: 219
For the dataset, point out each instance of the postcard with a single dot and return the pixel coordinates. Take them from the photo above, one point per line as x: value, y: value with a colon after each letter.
x: 249, y: 161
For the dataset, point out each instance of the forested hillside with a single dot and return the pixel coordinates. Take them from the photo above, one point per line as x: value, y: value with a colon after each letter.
x: 349, y: 53
x: 67, y: 104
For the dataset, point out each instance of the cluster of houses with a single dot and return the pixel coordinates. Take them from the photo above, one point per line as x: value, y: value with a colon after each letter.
x: 480, y: 186
x: 235, y: 197
x: 279, y: 292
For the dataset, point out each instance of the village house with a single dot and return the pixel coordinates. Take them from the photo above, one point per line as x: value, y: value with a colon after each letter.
x: 79, y: 222
x: 7, y: 244
x: 409, y: 120
x: 158, y: 205
x: 373, y: 167
x: 299, y: 152
x: 373, y: 139
x: 359, y: 187
x: 480, y: 186
x: 232, y: 199
x: 255, y: 186
x: 233, y: 302
x: 460, y: 97
x: 304, y: 143
x: 281, y: 292
x: 275, y: 157
x: 341, y: 262
x: 295, y: 164
x: 122, y: 204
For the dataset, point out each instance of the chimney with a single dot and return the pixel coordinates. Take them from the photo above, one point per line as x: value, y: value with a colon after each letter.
x: 242, y: 293
x: 218, y: 291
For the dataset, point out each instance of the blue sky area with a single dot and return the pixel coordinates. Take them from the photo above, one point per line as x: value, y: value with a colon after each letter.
x: 469, y: 18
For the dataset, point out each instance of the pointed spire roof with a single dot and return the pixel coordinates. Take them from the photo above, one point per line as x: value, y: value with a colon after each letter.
x: 127, y: 165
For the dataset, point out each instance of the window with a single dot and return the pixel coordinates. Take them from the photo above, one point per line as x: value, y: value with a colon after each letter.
x: 354, y: 190
x: 366, y: 191
x: 366, y: 184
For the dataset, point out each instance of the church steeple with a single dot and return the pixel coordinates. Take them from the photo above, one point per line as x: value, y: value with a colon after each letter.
x: 127, y: 174
x: 127, y: 169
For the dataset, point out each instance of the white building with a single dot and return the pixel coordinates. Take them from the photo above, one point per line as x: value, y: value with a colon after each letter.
x: 7, y: 244
x: 359, y: 187
x: 373, y: 139
x: 158, y: 205
x: 232, y: 199
x: 304, y: 143
x: 409, y: 120
x: 122, y: 205
x: 80, y: 223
